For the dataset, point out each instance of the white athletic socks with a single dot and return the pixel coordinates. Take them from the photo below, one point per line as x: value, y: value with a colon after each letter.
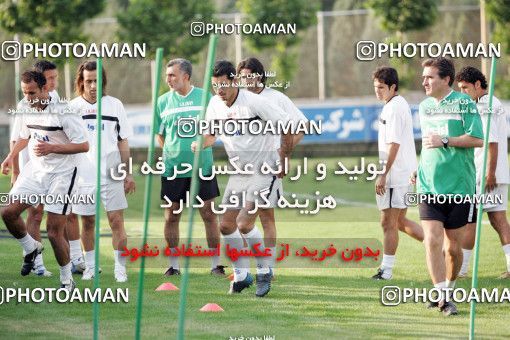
x: 272, y: 259
x: 466, y: 256
x: 65, y: 273
x: 38, y: 262
x: 441, y: 287
x: 120, y: 261
x: 254, y: 237
x: 506, y: 250
x: 241, y: 266
x: 450, y: 284
x: 75, y: 249
x: 174, y: 260
x: 215, y: 260
x: 28, y: 243
x: 90, y: 259
x: 388, y: 261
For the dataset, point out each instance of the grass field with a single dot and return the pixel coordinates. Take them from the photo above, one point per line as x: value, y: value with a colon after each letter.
x: 303, y: 303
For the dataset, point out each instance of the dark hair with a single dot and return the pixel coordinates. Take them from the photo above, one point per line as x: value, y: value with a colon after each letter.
x: 78, y: 82
x: 224, y: 68
x: 254, y: 65
x: 44, y: 65
x: 471, y: 75
x: 29, y: 76
x: 387, y: 75
x: 444, y: 66
x: 184, y: 65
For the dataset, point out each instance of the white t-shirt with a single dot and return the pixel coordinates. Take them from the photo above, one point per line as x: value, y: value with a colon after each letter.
x: 24, y: 156
x: 497, y: 134
x: 251, y: 149
x: 396, y: 126
x: 53, y: 126
x: 284, y: 102
x: 115, y: 128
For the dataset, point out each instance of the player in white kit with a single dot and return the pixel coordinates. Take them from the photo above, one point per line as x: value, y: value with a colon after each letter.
x: 53, y: 138
x: 35, y: 214
x: 472, y: 82
x: 396, y: 148
x: 233, y: 104
x: 253, y: 76
x: 114, y: 149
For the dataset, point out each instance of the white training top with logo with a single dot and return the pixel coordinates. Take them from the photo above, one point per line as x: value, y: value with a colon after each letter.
x: 53, y: 126
x: 396, y: 126
x: 284, y: 102
x: 498, y: 134
x: 251, y: 149
x: 24, y: 156
x: 115, y: 127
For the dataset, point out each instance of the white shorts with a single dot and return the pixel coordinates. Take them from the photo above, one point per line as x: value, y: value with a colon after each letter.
x: 112, y: 196
x: 260, y: 188
x: 501, y: 190
x: 393, y: 198
x: 54, y: 188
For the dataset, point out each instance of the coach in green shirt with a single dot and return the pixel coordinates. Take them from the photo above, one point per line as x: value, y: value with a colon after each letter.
x: 451, y: 129
x: 177, y: 114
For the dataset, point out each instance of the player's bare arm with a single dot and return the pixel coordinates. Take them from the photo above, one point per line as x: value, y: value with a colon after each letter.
x: 464, y: 141
x: 43, y: 148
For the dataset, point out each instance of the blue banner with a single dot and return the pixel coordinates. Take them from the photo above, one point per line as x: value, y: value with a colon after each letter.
x: 350, y: 123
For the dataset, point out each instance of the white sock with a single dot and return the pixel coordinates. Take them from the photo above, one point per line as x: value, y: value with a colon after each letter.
x: 75, y: 250
x: 441, y: 286
x: 254, y: 237
x: 90, y: 259
x: 215, y: 260
x: 38, y: 261
x: 120, y: 261
x: 241, y: 266
x: 272, y: 259
x: 28, y: 243
x: 466, y: 256
x: 506, y: 250
x: 388, y: 261
x: 450, y: 284
x: 65, y: 273
x: 174, y: 260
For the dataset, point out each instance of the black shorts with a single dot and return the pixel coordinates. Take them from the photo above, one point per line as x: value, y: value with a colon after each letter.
x: 452, y: 215
x: 176, y: 189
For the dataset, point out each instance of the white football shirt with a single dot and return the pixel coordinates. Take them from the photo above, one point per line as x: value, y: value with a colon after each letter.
x: 115, y: 127
x: 251, y: 149
x: 396, y: 126
x: 498, y: 134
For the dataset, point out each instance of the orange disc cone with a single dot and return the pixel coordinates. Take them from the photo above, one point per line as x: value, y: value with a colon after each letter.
x: 166, y: 286
x: 211, y: 307
x: 231, y: 277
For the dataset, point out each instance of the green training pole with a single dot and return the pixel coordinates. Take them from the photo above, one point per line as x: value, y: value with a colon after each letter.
x: 147, y: 193
x: 99, y: 82
x: 17, y: 85
x: 474, y: 283
x: 213, y: 40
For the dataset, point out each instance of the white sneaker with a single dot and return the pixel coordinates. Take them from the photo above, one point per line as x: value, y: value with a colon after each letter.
x: 120, y: 274
x: 69, y: 285
x: 42, y: 271
x: 78, y: 265
x: 88, y: 274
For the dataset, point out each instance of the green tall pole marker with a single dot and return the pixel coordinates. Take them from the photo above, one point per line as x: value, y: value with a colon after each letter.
x: 474, y: 283
x: 99, y: 82
x: 17, y: 85
x: 213, y: 40
x: 147, y: 193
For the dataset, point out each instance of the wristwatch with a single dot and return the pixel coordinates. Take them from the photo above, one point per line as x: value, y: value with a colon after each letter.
x: 445, y: 141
